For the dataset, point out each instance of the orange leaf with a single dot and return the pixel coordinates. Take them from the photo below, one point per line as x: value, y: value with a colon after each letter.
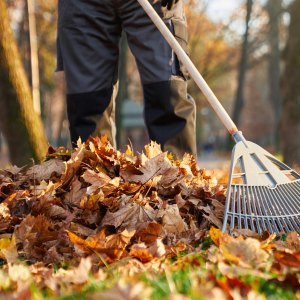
x: 288, y: 259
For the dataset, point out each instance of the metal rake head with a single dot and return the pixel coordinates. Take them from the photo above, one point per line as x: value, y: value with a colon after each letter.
x: 263, y: 193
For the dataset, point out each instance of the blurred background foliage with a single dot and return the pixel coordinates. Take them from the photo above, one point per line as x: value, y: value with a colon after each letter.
x: 248, y: 54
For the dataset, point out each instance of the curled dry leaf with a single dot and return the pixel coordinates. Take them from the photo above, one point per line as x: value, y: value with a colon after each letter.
x: 113, y: 245
x: 131, y: 216
x: 77, y: 275
x: 146, y: 253
x: 171, y: 220
x: 244, y: 252
x: 153, y: 167
x: 47, y: 169
x: 288, y: 259
x: 149, y: 233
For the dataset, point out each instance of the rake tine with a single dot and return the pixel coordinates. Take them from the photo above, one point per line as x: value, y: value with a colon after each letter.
x: 239, y: 207
x: 274, y: 199
x: 291, y: 205
x: 249, y: 207
x: 256, y: 210
x: 294, y: 192
x: 291, y: 191
x: 267, y: 212
x: 257, y: 223
x: 233, y: 207
x: 259, y: 209
x: 291, y: 226
x: 296, y: 227
x: 274, y: 208
x: 244, y: 207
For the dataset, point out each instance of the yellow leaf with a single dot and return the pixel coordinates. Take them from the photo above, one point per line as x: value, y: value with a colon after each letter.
x: 215, y: 235
x: 4, y: 243
x: 8, y: 249
x: 129, y: 151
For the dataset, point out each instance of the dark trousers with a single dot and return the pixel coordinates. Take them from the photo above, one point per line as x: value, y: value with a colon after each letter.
x: 88, y: 48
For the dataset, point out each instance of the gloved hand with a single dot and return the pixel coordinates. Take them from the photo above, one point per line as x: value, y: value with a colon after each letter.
x: 168, y: 3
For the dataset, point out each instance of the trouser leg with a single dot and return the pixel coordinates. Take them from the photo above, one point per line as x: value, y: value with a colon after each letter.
x: 92, y: 114
x: 170, y: 116
x: 169, y: 110
x: 89, y: 33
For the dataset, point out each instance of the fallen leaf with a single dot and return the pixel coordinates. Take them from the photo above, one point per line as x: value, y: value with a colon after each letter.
x: 131, y: 216
x: 47, y: 169
x: 112, y: 245
x: 152, y: 168
x: 150, y: 233
x: 8, y: 250
x: 209, y: 214
x: 171, y: 220
x: 77, y: 275
x: 18, y: 272
x: 288, y: 259
x: 215, y: 234
x: 246, y: 252
x: 35, y: 235
x: 124, y: 291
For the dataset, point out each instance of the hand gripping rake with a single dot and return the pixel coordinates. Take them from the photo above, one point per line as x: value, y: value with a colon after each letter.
x: 263, y: 193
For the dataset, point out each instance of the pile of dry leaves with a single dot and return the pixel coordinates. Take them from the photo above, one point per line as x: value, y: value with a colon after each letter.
x: 101, y: 201
x: 97, y: 206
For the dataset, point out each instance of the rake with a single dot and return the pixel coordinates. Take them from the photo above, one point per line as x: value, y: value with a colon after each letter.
x: 263, y: 194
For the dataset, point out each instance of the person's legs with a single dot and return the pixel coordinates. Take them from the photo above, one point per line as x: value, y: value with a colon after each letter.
x: 88, y: 44
x: 169, y: 111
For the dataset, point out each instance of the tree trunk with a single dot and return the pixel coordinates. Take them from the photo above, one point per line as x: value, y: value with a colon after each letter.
x: 274, y: 8
x: 239, y: 98
x: 291, y: 91
x: 34, y: 59
x: 21, y: 126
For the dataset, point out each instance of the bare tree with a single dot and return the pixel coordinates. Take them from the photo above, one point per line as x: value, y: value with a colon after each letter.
x: 21, y: 126
x: 239, y: 98
x: 274, y: 9
x: 34, y: 59
x: 290, y: 132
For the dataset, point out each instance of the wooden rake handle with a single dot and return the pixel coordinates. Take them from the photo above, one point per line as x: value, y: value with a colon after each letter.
x: 186, y: 61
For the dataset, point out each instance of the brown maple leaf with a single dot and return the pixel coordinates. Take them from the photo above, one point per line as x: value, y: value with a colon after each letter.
x: 99, y: 180
x: 74, y: 196
x: 131, y: 216
x: 171, y: 220
x: 46, y: 170
x: 149, y: 233
x: 113, y: 245
x: 34, y: 236
x: 153, y: 167
x: 146, y: 253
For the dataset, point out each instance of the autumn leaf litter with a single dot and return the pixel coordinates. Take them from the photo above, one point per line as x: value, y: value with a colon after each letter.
x: 98, y: 207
